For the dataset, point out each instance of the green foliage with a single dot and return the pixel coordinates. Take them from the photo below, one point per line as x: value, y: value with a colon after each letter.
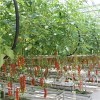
x: 1, y: 59
x: 5, y: 51
x: 9, y: 52
x: 47, y: 26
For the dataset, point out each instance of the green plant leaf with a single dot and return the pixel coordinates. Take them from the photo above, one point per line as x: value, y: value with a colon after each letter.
x: 9, y: 52
x: 1, y: 59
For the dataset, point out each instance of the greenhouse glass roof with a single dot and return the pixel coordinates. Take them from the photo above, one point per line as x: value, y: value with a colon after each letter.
x: 93, y: 2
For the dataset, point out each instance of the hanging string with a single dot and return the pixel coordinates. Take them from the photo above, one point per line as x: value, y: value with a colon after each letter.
x: 79, y: 40
x: 17, y: 27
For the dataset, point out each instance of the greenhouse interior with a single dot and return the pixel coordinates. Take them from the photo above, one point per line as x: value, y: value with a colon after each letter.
x: 49, y: 49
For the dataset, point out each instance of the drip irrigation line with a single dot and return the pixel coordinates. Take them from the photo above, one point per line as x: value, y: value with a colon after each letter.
x: 17, y: 25
x: 78, y: 44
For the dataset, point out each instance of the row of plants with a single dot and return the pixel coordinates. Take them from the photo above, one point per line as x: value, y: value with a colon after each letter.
x: 47, y: 26
x: 34, y: 71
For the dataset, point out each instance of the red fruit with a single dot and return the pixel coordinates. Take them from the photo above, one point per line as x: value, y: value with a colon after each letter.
x: 41, y: 82
x: 96, y: 72
x: 57, y: 65
x: 33, y: 82
x: 19, y: 63
x: 79, y: 69
x: 73, y: 77
x: 13, y: 68
x: 45, y: 72
x: 45, y: 92
x: 36, y: 72
x: 22, y: 61
x: 65, y: 68
x: 38, y: 68
x: 88, y: 73
x: 17, y: 94
x: 4, y: 68
x: 22, y: 83
x: 99, y: 65
x: 80, y: 85
x: 9, y: 89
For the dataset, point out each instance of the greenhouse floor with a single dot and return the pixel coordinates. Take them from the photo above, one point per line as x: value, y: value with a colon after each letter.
x: 55, y: 95
x: 96, y: 94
